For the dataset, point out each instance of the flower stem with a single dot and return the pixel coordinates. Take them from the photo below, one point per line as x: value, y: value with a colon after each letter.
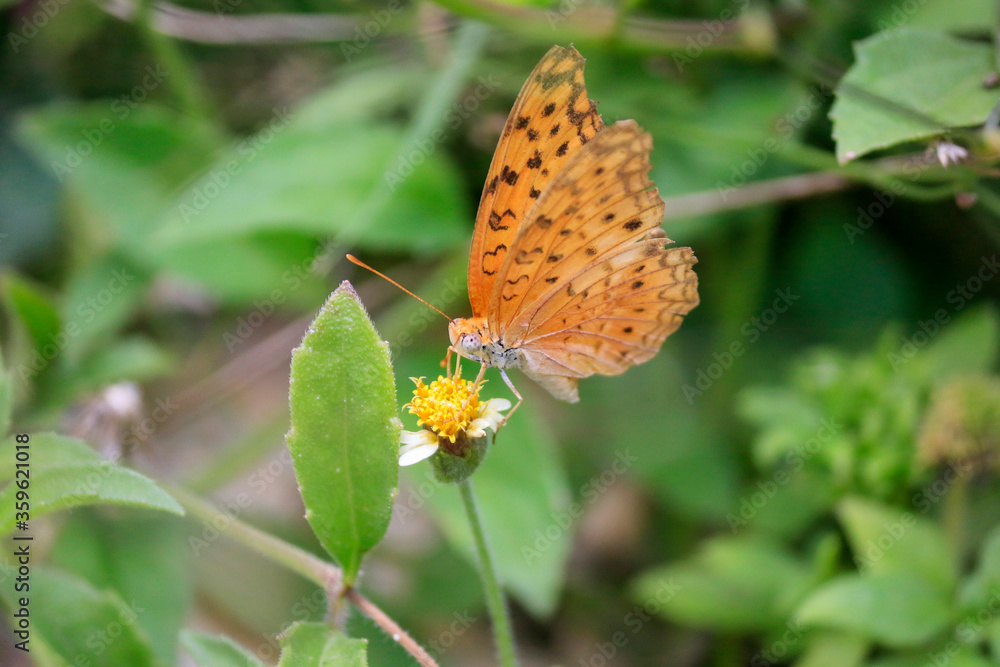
x: 326, y: 575
x: 491, y: 587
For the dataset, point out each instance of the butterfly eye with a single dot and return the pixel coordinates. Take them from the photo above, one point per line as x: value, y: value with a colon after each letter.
x: 471, y: 342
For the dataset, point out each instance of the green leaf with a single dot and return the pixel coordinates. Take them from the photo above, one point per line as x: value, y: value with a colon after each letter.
x: 525, y: 509
x: 6, y: 397
x: 885, y: 540
x: 35, y: 310
x: 81, y: 478
x: 36, y: 336
x: 954, y: 16
x: 833, y: 649
x: 272, y: 269
x: 128, y: 183
x: 967, y: 344
x: 210, y: 651
x: 909, y: 84
x: 950, y: 655
x: 142, y: 557
x: 46, y: 451
x: 690, y: 469
x: 341, y: 651
x: 345, y: 434
x: 897, y: 609
x: 317, y: 182
x: 81, y: 623
x: 757, y: 578
x: 317, y: 645
x: 98, y: 301
x: 977, y: 589
x: 130, y: 165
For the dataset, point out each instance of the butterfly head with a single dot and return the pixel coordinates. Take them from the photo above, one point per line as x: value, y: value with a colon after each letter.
x: 467, y: 337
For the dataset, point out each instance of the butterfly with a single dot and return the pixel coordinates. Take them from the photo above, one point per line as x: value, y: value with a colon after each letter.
x: 569, y: 273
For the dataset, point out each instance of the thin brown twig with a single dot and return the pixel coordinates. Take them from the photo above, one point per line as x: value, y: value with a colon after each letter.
x: 390, y: 627
x: 753, y: 194
x: 223, y: 28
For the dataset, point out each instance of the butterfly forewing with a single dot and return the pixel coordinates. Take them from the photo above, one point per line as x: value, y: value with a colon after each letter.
x: 551, y: 119
x: 600, y: 202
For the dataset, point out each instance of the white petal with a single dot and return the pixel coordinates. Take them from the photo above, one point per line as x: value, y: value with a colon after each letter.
x: 410, y: 454
x: 498, y: 404
x: 417, y: 437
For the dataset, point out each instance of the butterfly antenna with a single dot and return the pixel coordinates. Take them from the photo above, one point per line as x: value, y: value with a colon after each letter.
x: 358, y: 262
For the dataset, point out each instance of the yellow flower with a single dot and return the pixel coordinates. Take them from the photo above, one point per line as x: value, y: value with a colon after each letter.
x: 448, y: 409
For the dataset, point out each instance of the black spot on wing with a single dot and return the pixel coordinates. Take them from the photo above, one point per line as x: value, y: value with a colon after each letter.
x: 495, y: 222
x: 493, y: 252
x: 508, y: 175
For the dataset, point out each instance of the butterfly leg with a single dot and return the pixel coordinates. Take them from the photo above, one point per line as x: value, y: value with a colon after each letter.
x: 447, y: 363
x: 520, y: 400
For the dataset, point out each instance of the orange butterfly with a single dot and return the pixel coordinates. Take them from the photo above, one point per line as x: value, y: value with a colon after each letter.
x: 568, y: 273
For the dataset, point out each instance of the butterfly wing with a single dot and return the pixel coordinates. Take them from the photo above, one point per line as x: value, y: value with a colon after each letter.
x: 588, y: 285
x: 551, y: 119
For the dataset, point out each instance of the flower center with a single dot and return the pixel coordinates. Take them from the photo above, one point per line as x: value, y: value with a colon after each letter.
x: 439, y: 405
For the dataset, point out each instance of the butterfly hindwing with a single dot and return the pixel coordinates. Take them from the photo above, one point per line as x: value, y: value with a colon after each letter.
x: 551, y: 119
x: 625, y: 308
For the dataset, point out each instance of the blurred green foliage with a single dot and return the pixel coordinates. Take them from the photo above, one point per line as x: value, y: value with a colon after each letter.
x: 805, y: 475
